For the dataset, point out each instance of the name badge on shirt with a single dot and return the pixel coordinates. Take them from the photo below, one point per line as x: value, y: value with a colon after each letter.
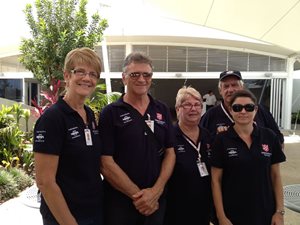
x: 150, y: 123
x: 88, y: 137
x: 202, y: 169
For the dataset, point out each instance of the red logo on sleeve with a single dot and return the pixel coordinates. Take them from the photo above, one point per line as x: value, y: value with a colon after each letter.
x: 159, y: 116
x: 265, y: 147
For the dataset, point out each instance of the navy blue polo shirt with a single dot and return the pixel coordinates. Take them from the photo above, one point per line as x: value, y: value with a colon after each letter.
x: 216, y: 116
x: 60, y: 131
x: 124, y: 137
x: 247, y: 188
x: 189, y: 194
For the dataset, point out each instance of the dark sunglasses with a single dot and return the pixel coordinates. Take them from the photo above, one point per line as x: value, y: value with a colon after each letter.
x: 136, y: 75
x: 239, y: 107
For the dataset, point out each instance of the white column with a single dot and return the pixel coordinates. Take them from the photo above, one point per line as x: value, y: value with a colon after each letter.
x: 128, y: 50
x: 106, y: 66
x: 288, y: 95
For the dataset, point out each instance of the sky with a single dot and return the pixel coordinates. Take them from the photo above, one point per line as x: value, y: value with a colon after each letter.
x: 13, y: 24
x: 122, y: 19
x: 12, y: 21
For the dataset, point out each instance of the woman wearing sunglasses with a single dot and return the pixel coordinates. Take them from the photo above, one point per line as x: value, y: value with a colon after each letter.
x: 246, y: 182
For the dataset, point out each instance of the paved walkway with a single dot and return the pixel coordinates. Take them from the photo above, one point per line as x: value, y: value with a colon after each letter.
x: 21, y: 210
x: 24, y: 209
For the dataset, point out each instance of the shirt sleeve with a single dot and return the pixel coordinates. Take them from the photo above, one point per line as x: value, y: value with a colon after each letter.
x: 106, y: 131
x: 217, y: 151
x: 278, y: 155
x: 270, y: 122
x: 49, y: 133
x: 170, y: 142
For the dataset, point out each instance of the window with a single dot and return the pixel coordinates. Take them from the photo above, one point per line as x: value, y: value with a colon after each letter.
x: 158, y: 55
x: 277, y: 64
x: 258, y: 62
x: 116, y: 56
x: 11, y: 89
x: 197, y: 58
x: 177, y: 59
x: 217, y: 60
x: 140, y: 48
x: 237, y: 61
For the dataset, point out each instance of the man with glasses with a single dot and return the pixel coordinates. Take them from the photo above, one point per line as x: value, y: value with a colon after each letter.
x: 218, y: 118
x: 137, y: 152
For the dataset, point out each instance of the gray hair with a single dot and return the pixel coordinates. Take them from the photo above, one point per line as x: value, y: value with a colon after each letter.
x: 136, y: 57
x: 240, y: 82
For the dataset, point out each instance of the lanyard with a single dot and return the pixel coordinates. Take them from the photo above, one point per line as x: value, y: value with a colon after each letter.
x: 197, y: 148
x: 224, y: 110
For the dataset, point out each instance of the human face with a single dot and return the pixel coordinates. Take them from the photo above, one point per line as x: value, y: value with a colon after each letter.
x: 137, y: 85
x: 243, y: 117
x: 81, y: 81
x: 228, y: 86
x: 189, y: 112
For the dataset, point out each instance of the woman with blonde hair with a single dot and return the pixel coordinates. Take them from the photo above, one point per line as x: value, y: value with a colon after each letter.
x: 67, y: 148
x: 189, y: 195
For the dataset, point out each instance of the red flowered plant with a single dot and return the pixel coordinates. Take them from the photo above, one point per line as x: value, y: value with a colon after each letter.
x: 50, y: 96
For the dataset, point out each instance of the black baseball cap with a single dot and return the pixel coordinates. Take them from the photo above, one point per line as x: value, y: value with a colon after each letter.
x: 228, y: 73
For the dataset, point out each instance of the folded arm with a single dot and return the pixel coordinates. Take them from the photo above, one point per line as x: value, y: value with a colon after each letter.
x: 146, y: 200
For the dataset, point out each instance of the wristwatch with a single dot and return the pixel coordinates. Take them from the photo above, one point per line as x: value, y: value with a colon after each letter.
x: 282, y: 212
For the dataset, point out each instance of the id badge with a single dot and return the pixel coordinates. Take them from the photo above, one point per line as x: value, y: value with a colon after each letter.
x: 202, y: 169
x: 150, y: 124
x: 88, y: 137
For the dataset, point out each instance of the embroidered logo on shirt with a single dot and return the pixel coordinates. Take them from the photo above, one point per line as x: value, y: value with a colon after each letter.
x: 180, y: 149
x: 232, y: 152
x: 159, y: 116
x: 39, y: 138
x: 74, y: 132
x: 265, y: 147
x: 161, y: 122
x: 265, y: 150
x: 126, y: 118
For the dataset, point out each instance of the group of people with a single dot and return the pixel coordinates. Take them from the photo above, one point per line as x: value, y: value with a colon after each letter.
x: 222, y: 167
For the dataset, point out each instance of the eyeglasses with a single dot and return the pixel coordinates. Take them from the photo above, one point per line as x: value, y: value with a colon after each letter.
x: 81, y: 73
x: 136, y: 75
x: 239, y: 107
x: 190, y: 106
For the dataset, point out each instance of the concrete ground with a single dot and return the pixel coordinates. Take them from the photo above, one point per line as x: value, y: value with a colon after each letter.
x: 290, y: 172
x: 24, y: 209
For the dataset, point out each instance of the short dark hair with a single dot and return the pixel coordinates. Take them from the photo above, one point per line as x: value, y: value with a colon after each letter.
x: 136, y: 57
x: 243, y: 93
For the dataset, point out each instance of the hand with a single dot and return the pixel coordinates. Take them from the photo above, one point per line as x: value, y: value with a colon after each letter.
x: 146, y: 201
x: 221, y: 129
x: 277, y: 219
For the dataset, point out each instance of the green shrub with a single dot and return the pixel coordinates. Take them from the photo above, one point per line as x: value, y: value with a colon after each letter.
x: 8, y: 186
x: 22, y: 179
x: 13, y: 140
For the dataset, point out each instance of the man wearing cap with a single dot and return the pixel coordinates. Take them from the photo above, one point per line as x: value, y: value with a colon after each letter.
x: 218, y: 118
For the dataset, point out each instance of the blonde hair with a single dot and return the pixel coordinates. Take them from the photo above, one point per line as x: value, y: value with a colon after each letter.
x: 184, y: 92
x: 83, y: 56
